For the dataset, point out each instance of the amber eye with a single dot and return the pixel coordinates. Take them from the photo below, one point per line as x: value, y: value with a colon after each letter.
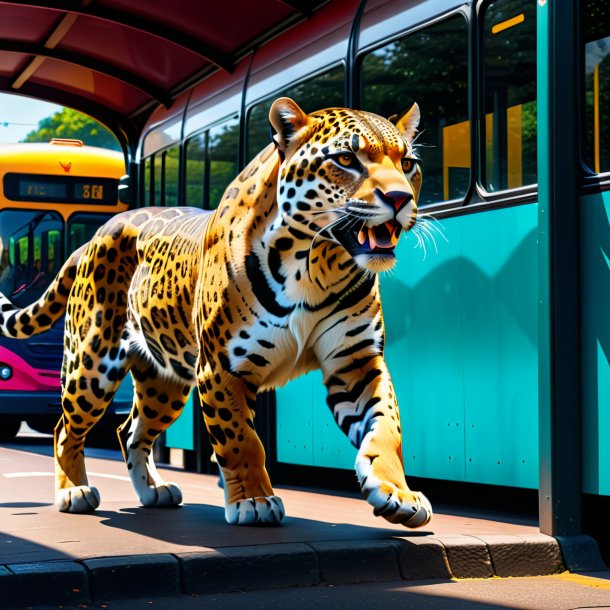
x: 407, y: 165
x: 346, y: 160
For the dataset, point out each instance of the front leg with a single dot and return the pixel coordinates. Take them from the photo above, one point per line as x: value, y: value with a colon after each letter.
x: 227, y: 401
x: 362, y: 399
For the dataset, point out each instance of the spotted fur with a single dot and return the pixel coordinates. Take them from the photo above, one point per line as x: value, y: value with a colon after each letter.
x: 279, y: 280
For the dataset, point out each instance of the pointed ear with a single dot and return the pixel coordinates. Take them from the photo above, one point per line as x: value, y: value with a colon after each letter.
x: 288, y: 125
x: 407, y: 122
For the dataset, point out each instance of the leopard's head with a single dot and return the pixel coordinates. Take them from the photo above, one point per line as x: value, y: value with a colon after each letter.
x: 348, y: 176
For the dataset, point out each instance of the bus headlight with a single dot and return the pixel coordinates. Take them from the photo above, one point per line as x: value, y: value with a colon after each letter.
x: 6, y: 372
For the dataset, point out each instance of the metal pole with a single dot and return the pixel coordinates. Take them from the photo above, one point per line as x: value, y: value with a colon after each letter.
x: 559, y: 272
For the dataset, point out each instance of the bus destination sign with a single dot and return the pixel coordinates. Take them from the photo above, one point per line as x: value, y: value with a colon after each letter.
x: 60, y: 189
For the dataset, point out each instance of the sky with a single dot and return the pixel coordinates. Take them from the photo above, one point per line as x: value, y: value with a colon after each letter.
x: 16, y: 109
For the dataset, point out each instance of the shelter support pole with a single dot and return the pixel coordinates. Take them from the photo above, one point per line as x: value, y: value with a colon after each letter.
x: 559, y: 283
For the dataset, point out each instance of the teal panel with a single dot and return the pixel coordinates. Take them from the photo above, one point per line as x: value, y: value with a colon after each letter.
x: 294, y: 420
x: 125, y: 391
x: 595, y: 327
x: 500, y: 339
x: 461, y: 344
x: 421, y: 306
x: 331, y: 447
x: 181, y: 434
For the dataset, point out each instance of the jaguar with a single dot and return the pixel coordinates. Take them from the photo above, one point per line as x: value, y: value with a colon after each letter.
x: 282, y: 278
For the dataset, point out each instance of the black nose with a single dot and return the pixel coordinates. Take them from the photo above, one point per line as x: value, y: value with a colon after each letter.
x: 396, y: 199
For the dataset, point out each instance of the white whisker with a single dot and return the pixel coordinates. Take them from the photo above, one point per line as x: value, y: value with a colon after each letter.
x: 428, y: 234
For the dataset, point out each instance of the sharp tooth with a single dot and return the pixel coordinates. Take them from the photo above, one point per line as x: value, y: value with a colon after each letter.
x: 372, y: 240
x: 361, y: 237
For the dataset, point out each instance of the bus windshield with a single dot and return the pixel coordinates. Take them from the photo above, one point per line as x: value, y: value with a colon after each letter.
x: 31, y: 244
x: 32, y: 249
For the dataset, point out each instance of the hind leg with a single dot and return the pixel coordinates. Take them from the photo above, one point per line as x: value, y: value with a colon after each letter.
x: 95, y: 362
x: 85, y: 398
x: 157, y: 404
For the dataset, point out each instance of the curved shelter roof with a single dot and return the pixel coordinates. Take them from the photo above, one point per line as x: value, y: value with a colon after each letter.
x: 118, y: 59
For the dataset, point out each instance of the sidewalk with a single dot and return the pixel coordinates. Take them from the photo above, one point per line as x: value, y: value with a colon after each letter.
x: 123, y: 550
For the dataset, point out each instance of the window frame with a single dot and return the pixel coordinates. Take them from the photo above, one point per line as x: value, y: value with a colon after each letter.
x: 163, y: 152
x: 591, y: 181
x: 509, y: 196
x: 294, y: 83
x: 234, y: 116
x: 185, y: 144
x: 464, y: 11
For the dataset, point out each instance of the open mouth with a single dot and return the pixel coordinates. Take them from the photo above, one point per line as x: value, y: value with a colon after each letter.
x: 379, y: 240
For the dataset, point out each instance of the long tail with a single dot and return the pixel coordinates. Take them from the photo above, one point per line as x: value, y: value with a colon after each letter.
x: 21, y: 323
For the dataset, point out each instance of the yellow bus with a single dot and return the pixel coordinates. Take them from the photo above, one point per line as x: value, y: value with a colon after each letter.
x: 53, y: 197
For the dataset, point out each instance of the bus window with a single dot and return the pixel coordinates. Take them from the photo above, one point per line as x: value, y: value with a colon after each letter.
x: 195, y: 170
x: 157, y: 167
x: 595, y: 23
x: 223, y: 143
x: 82, y: 227
x: 317, y: 93
x: 430, y: 67
x: 509, y: 87
x: 171, y: 171
x: 147, y: 186
x: 31, y: 244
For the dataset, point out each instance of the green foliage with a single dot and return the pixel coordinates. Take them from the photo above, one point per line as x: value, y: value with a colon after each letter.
x: 72, y: 124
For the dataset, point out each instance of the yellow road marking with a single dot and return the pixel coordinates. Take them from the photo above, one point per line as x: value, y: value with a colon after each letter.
x: 578, y: 579
x: 587, y: 581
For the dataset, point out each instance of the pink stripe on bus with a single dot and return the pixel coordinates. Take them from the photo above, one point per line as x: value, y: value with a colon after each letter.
x: 26, y: 378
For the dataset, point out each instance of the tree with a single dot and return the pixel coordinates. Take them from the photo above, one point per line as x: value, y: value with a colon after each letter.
x: 72, y: 124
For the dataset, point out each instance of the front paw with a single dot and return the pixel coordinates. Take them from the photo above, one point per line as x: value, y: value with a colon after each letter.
x: 394, y: 503
x: 409, y: 508
x: 262, y: 509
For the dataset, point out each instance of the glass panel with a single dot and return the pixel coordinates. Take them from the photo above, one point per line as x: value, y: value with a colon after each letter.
x: 509, y: 48
x: 195, y: 170
x: 171, y: 175
x: 82, y: 227
x: 429, y: 67
x: 157, y: 179
x: 595, y: 22
x: 317, y: 93
x: 146, y: 187
x: 31, y: 253
x: 223, y: 142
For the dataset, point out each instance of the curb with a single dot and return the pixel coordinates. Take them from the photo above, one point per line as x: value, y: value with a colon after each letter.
x: 275, y: 566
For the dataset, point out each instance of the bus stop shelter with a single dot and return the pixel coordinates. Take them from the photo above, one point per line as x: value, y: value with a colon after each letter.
x: 117, y: 61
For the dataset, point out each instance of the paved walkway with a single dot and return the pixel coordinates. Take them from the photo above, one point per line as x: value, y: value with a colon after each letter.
x: 123, y: 549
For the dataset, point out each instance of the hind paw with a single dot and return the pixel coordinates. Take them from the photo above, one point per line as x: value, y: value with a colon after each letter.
x: 167, y: 494
x: 80, y: 499
x: 262, y: 509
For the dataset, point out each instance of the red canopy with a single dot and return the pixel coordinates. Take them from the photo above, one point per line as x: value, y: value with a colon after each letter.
x: 117, y: 59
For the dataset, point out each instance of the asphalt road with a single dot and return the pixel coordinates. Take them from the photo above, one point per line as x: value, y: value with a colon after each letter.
x: 563, y: 592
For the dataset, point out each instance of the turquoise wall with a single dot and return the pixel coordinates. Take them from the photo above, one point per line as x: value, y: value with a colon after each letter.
x: 595, y: 316
x: 462, y: 350
x: 181, y: 435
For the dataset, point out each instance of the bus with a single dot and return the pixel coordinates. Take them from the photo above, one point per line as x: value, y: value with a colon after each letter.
x: 53, y: 197
x: 468, y: 323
